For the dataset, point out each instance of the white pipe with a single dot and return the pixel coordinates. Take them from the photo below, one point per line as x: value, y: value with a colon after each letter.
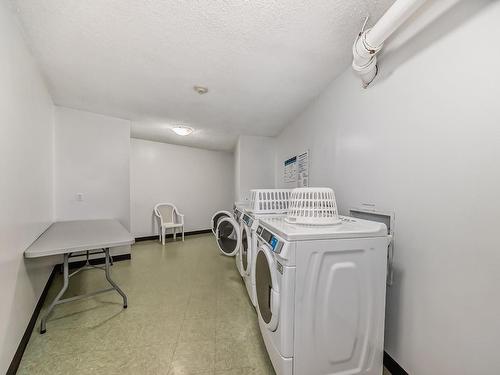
x: 370, y: 42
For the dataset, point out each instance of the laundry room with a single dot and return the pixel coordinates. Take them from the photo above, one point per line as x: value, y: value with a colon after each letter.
x: 249, y: 187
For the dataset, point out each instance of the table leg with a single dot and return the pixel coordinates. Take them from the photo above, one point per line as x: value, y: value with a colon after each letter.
x: 108, y: 277
x: 43, y: 322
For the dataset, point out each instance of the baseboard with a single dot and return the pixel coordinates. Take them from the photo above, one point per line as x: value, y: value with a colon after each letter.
x: 191, y: 233
x: 16, y: 361
x: 393, y: 367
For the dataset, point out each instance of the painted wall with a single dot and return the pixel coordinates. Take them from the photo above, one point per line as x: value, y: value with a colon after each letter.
x: 237, y: 172
x: 199, y: 182
x: 26, y: 131
x: 254, y: 168
x: 92, y: 157
x: 425, y: 142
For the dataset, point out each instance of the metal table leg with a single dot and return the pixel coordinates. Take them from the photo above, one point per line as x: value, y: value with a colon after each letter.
x: 108, y: 277
x: 58, y: 300
x: 59, y: 295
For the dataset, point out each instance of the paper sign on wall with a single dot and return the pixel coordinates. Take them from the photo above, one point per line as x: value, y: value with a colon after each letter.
x: 303, y: 169
x: 290, y: 176
x: 296, y: 170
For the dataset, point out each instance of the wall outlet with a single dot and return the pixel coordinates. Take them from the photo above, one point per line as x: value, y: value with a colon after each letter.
x: 79, y: 197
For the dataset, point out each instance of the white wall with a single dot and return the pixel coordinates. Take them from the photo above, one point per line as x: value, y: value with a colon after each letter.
x: 254, y: 165
x: 425, y: 141
x: 199, y: 182
x: 26, y: 127
x: 92, y: 157
x: 237, y: 172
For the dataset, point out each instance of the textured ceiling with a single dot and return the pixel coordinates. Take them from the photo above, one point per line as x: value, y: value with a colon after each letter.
x: 262, y: 60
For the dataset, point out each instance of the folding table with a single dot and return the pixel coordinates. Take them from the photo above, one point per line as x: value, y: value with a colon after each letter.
x: 80, y: 236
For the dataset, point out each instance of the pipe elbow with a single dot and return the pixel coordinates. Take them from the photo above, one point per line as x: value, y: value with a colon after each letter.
x: 364, y: 61
x: 369, y: 42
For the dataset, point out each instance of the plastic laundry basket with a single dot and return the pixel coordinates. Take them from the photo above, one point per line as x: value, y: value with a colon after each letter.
x: 263, y: 201
x: 313, y: 206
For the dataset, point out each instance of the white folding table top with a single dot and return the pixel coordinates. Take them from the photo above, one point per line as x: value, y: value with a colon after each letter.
x: 79, y: 235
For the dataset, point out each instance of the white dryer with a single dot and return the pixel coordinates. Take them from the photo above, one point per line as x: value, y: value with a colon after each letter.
x: 320, y: 294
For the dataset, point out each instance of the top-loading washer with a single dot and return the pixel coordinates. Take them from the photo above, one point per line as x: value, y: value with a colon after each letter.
x: 320, y: 294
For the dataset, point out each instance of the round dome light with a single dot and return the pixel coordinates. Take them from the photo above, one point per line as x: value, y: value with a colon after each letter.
x: 182, y: 130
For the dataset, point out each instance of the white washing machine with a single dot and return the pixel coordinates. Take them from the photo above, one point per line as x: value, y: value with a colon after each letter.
x: 320, y: 294
x: 236, y: 236
x: 228, y: 232
x: 245, y: 258
x: 217, y: 217
x: 237, y: 207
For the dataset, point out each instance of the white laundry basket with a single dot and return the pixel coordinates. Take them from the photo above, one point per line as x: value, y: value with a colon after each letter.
x: 313, y: 206
x: 267, y: 201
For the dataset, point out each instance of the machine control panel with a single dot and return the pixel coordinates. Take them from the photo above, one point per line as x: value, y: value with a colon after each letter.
x: 248, y: 220
x: 273, y: 241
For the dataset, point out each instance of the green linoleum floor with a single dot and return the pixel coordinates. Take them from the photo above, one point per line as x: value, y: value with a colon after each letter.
x: 188, y: 313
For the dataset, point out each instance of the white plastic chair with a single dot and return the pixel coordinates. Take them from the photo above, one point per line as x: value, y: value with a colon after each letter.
x: 169, y: 218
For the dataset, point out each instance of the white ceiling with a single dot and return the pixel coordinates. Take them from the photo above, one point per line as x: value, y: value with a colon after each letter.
x: 262, y: 60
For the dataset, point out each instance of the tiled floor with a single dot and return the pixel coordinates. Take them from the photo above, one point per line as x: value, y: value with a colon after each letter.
x: 188, y: 314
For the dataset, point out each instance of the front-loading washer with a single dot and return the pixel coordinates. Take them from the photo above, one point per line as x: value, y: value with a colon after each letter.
x: 228, y: 233
x: 245, y: 258
x: 320, y: 294
x: 236, y: 236
x: 217, y: 217
x: 238, y: 207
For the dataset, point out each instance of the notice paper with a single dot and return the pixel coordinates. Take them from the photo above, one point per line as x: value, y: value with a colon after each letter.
x: 296, y: 171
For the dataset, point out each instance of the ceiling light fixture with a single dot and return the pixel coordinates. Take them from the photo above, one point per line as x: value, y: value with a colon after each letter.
x: 182, y: 130
x: 200, y: 89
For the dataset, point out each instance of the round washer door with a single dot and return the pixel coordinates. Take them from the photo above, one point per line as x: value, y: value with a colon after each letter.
x: 217, y: 217
x: 245, y: 250
x: 228, y: 236
x: 267, y: 289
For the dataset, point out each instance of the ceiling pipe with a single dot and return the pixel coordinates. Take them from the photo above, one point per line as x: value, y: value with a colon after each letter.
x: 369, y: 42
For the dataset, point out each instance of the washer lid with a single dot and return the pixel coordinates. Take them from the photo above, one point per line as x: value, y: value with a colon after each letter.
x: 349, y: 228
x: 228, y: 236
